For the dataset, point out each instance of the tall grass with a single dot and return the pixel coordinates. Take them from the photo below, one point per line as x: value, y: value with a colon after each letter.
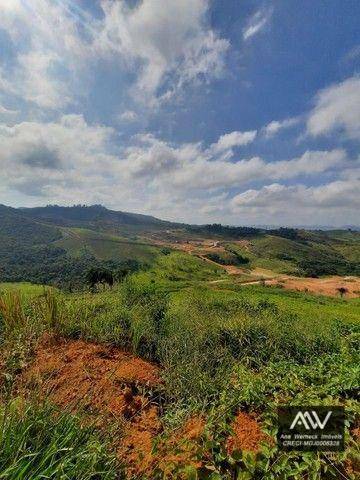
x: 38, y: 442
x: 14, y: 319
x: 198, y: 335
x: 23, y: 319
x: 21, y: 314
x: 219, y: 351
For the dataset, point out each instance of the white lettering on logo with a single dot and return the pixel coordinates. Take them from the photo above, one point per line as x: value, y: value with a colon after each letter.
x: 310, y: 420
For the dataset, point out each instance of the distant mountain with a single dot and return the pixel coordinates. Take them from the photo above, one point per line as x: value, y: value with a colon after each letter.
x: 94, y: 215
x: 37, y: 244
x: 57, y: 245
x: 16, y: 229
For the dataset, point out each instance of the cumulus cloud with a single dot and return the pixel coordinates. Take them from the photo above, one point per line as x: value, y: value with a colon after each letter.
x: 166, y: 45
x: 339, y: 193
x: 272, y: 128
x: 333, y: 203
x: 337, y: 108
x: 257, y: 23
x: 194, y: 168
x: 170, y: 43
x: 38, y: 158
x: 233, y: 139
x: 128, y: 116
x: 69, y: 160
x: 49, y: 52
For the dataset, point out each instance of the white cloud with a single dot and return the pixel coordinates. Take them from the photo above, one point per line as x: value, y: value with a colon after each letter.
x: 169, y: 43
x: 77, y: 159
x: 128, y: 116
x: 276, y: 196
x: 272, y: 128
x: 207, y: 173
x: 49, y: 52
x: 233, y: 139
x: 70, y: 161
x: 166, y: 45
x: 335, y: 203
x: 38, y: 158
x: 257, y: 23
x: 337, y: 108
x: 7, y: 111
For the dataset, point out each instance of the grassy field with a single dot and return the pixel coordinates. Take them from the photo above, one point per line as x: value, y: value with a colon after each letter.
x: 25, y: 288
x: 264, y: 252
x: 306, y: 305
x: 224, y: 352
x: 284, y: 255
x: 106, y: 247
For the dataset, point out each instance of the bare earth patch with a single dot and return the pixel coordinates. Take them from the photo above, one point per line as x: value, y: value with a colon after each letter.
x: 247, y: 434
x: 324, y: 286
x: 114, y: 388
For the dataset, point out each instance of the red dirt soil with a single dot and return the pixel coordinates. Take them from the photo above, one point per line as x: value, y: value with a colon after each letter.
x: 106, y: 382
x: 247, y: 434
x: 182, y: 447
x: 172, y: 453
x: 95, y: 377
x: 117, y: 389
x: 103, y: 381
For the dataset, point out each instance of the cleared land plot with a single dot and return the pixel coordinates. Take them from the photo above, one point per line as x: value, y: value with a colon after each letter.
x: 324, y: 286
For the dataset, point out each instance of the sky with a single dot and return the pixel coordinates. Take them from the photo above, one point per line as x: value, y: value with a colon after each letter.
x: 239, y: 112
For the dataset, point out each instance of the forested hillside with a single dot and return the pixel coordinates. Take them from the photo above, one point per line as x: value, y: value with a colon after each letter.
x: 58, y: 245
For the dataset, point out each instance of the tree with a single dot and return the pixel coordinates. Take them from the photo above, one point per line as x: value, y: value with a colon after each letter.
x: 342, y: 291
x: 99, y: 275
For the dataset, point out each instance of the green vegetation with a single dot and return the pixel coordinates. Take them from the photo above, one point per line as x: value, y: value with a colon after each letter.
x: 57, y: 245
x: 180, y: 267
x: 224, y: 230
x: 102, y: 246
x: 25, y: 288
x: 305, y: 305
x: 46, y: 246
x: 17, y: 231
x: 307, y: 255
x: 41, y: 253
x: 38, y: 442
x: 222, y: 347
x: 222, y: 350
x: 227, y: 258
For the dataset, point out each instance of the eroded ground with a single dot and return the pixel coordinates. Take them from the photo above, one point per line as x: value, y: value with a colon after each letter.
x: 116, y: 389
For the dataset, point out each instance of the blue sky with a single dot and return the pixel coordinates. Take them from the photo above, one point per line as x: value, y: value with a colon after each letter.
x: 240, y: 112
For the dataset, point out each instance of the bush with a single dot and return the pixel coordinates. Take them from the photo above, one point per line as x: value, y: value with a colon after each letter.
x: 228, y: 258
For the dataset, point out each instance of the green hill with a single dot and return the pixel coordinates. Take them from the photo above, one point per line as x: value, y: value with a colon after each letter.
x: 18, y: 230
x: 104, y: 246
x: 308, y: 255
x: 95, y: 217
x: 35, y: 246
x: 57, y: 245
